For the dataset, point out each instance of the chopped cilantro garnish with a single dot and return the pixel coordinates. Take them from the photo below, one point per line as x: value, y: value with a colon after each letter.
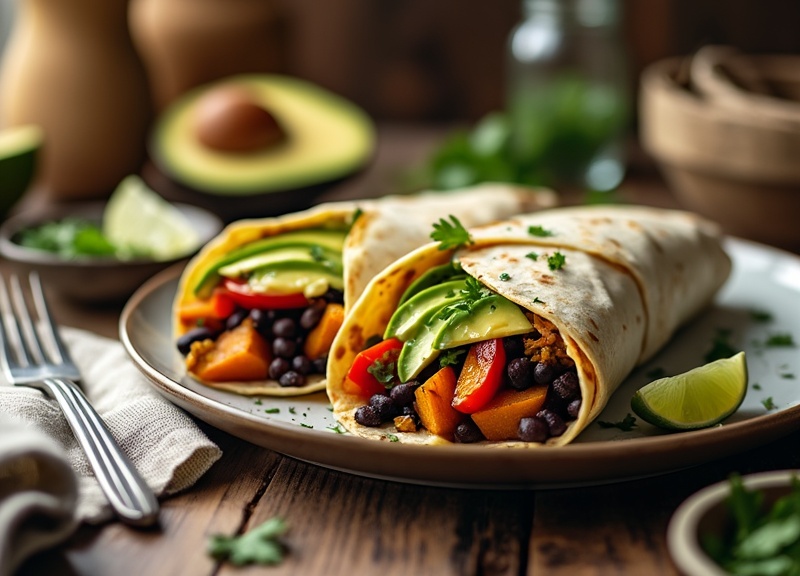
x: 504, y: 276
x: 761, y: 315
x: 768, y: 403
x: 539, y: 231
x: 538, y: 300
x: 383, y: 369
x: 556, y: 261
x: 532, y: 255
x: 626, y: 424
x: 779, y: 340
x: 392, y: 438
x: 272, y: 410
x: 258, y: 402
x: 261, y: 545
x: 292, y: 410
x: 450, y: 357
x: 450, y: 234
x: 304, y: 425
x: 338, y: 428
x: 756, y: 386
x: 721, y: 346
x: 787, y: 376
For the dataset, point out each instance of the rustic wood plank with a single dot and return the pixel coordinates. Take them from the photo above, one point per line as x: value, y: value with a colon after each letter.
x: 343, y: 524
x: 218, y: 503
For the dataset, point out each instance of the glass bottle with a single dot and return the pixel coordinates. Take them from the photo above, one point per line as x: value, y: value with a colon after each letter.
x: 567, y: 95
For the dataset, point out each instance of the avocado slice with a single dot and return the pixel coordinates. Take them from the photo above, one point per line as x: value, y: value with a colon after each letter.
x: 326, y: 138
x: 327, y: 258
x: 432, y: 277
x: 328, y: 242
x: 490, y: 317
x: 19, y: 149
x: 292, y: 276
x: 410, y: 315
x: 419, y: 351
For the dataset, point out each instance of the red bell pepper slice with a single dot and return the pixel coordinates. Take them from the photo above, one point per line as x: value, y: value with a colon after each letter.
x: 243, y: 295
x: 380, y: 356
x: 481, y: 376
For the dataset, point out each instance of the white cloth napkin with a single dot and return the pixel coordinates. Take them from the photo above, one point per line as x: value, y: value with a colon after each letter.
x: 46, y: 484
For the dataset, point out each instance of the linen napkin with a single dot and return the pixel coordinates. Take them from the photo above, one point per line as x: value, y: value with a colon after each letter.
x: 46, y: 484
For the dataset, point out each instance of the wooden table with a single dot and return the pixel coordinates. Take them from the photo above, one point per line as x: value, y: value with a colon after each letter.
x: 354, y: 526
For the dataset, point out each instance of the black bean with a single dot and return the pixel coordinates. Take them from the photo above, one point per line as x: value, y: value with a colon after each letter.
x: 555, y: 423
x: 544, y: 373
x: 320, y: 364
x: 236, y: 318
x: 383, y: 405
x: 284, y: 347
x: 185, y: 342
x: 514, y: 347
x: 574, y: 408
x: 403, y: 394
x: 533, y: 429
x: 284, y: 328
x: 368, y: 416
x: 334, y: 296
x: 311, y: 315
x: 520, y: 373
x: 567, y: 386
x: 291, y: 379
x: 262, y: 321
x: 302, y: 364
x: 467, y: 432
x: 278, y: 367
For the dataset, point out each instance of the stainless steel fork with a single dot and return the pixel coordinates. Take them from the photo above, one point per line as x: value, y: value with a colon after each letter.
x: 33, y: 354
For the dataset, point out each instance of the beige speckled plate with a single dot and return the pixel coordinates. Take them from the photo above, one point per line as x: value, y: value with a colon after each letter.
x: 759, y: 301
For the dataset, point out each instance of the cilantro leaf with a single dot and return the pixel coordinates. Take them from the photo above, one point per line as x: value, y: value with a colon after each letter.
x: 450, y: 234
x: 450, y: 357
x: 383, y: 369
x: 780, y: 340
x: 626, y: 424
x: 474, y: 290
x: 768, y: 403
x: 261, y: 545
x: 504, y: 276
x: 532, y: 255
x: 556, y: 261
x: 539, y: 231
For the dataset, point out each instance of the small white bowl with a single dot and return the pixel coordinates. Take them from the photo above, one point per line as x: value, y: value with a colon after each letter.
x: 705, y: 513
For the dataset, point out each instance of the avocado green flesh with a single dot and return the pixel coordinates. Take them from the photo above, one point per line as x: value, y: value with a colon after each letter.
x: 328, y: 137
x: 490, y: 317
x: 430, y: 278
x: 418, y: 352
x: 19, y: 147
x: 329, y: 241
x: 293, y: 277
x: 406, y: 320
x: 331, y: 260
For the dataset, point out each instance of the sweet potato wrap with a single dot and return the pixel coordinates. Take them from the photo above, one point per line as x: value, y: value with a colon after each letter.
x: 608, y: 284
x: 373, y: 234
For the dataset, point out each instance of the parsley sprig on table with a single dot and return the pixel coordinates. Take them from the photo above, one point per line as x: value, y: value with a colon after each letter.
x: 450, y: 234
x: 261, y: 545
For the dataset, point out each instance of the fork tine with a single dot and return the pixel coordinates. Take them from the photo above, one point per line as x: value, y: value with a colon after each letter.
x: 31, y: 350
x: 58, y: 351
x: 8, y: 329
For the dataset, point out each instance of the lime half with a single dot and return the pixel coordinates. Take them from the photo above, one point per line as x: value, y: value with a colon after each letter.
x: 139, y: 221
x: 699, y: 398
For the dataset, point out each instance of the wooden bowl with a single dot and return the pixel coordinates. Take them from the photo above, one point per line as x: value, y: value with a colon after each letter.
x: 740, y: 170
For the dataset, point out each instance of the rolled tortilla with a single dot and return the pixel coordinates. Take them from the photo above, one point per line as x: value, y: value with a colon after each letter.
x: 385, y: 229
x: 631, y: 277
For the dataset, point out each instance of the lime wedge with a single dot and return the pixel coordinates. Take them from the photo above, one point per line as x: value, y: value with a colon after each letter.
x: 140, y: 222
x: 19, y: 147
x: 699, y: 398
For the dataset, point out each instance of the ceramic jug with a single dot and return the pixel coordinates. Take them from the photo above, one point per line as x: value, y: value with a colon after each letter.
x: 70, y: 67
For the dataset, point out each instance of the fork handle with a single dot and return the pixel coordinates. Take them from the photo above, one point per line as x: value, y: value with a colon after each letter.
x: 129, y: 495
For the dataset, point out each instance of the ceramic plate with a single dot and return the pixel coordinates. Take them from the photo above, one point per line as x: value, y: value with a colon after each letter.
x: 757, y: 311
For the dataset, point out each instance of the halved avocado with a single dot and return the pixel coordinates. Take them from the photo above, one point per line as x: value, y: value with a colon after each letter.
x: 19, y: 147
x: 325, y: 137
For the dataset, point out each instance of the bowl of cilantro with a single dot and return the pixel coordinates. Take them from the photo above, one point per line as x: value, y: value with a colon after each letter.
x: 744, y: 525
x: 97, y: 252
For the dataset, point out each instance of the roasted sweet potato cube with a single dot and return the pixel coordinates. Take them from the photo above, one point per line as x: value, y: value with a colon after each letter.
x: 499, y: 419
x: 238, y: 354
x: 433, y: 401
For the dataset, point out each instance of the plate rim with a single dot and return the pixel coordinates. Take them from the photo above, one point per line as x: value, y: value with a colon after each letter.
x: 523, y: 465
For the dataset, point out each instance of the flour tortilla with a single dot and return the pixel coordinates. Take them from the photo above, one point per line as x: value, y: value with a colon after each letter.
x: 386, y: 229
x: 631, y: 277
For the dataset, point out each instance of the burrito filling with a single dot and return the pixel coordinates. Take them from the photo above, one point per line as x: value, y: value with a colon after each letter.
x: 267, y: 309
x: 468, y: 365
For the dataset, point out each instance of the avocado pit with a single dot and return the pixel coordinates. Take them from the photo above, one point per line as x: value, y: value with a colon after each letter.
x: 231, y: 119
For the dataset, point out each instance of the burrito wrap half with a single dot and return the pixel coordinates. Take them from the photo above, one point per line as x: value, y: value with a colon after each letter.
x: 386, y: 229
x: 631, y: 277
